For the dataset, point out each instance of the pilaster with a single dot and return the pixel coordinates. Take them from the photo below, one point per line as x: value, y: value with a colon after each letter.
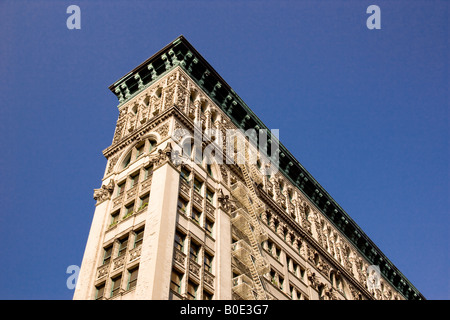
x: 157, y: 251
x: 87, y: 274
x: 223, y: 255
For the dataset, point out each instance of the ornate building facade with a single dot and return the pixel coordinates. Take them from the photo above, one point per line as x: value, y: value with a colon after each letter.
x: 176, y: 218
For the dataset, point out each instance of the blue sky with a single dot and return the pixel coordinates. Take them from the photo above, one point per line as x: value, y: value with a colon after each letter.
x: 364, y: 111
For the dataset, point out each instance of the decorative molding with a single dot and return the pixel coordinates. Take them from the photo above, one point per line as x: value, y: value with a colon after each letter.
x: 104, y: 193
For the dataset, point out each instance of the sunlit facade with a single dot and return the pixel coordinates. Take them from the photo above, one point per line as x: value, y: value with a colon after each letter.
x: 174, y: 220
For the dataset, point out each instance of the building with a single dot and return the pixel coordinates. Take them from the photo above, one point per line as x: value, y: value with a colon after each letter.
x: 179, y: 218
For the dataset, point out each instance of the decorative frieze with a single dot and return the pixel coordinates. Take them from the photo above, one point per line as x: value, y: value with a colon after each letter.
x: 135, y: 253
x: 208, y: 278
x: 179, y: 257
x: 131, y: 192
x: 118, y: 262
x: 197, y: 200
x: 146, y: 184
x: 194, y: 268
x: 185, y: 189
x: 102, y: 271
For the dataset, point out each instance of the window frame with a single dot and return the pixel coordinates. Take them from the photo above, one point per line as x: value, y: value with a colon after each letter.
x: 123, y: 248
x: 196, y: 188
x: 107, y: 259
x: 196, y: 215
x: 179, y: 246
x: 138, y: 240
x: 180, y: 276
x: 97, y: 290
x: 194, y: 251
x: 117, y: 279
x: 193, y: 285
x: 134, y: 281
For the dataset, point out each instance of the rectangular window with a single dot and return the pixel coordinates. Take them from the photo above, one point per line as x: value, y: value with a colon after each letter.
x: 273, y: 277
x: 132, y: 279
x: 179, y: 241
x: 302, y: 273
x: 207, y: 295
x: 99, y: 291
x: 114, y: 217
x: 148, y: 171
x: 208, y: 262
x: 198, y: 185
x: 196, y: 215
x: 182, y: 206
x: 194, y: 251
x: 281, y: 282
x: 123, y: 244
x: 144, y: 201
x: 209, y: 226
x: 209, y: 196
x: 296, y: 269
x: 288, y: 262
x: 278, y: 253
x: 120, y: 188
x: 175, y: 281
x: 129, y: 209
x: 134, y: 180
x: 107, y: 254
x: 139, y: 238
x: 192, y: 290
x: 115, y: 286
x: 270, y: 246
x: 185, y: 175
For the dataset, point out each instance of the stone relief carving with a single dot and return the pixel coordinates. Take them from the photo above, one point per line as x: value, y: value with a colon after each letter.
x: 225, y: 202
x: 163, y: 130
x: 161, y: 156
x: 112, y: 163
x: 311, y: 278
x: 104, y: 193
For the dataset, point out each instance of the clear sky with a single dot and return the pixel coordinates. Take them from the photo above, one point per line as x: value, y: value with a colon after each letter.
x: 364, y: 111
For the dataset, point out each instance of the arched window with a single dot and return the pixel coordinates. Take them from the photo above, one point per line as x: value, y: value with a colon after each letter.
x: 209, y: 170
x: 332, y: 279
x: 126, y: 161
x: 138, y: 150
x: 152, y: 144
x: 188, y: 147
x: 321, y: 288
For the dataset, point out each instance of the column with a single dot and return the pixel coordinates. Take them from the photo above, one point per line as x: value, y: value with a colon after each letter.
x: 157, y: 248
x: 223, y: 256
x: 88, y: 271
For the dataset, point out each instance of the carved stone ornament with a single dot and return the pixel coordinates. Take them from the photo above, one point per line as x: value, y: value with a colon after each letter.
x: 104, y: 193
x: 311, y: 278
x: 161, y: 156
x: 163, y: 130
x: 225, y: 201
